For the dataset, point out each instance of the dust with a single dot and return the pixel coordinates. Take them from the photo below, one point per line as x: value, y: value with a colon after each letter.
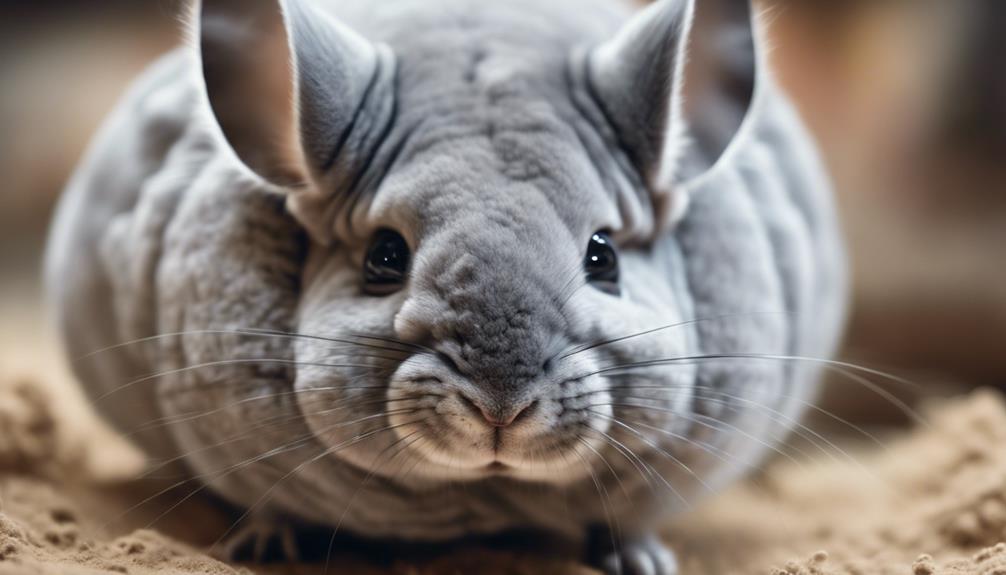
x: 928, y: 502
x: 42, y: 529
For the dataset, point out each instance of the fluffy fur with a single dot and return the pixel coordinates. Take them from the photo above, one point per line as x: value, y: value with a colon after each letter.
x: 238, y: 184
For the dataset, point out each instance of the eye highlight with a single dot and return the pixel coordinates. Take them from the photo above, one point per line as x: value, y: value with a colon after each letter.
x: 601, y: 263
x: 387, y: 263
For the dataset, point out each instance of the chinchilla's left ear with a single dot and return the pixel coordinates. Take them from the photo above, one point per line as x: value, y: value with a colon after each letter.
x: 298, y: 96
x: 676, y: 82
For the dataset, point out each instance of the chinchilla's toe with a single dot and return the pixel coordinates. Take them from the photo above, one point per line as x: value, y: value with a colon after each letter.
x: 259, y: 540
x: 643, y: 555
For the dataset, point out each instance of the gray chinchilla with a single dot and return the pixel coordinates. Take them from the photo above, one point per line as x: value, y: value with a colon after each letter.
x: 432, y: 268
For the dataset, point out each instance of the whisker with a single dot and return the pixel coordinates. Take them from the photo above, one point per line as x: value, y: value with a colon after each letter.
x: 575, y: 273
x: 539, y: 455
x: 708, y: 448
x: 614, y: 530
x: 297, y: 417
x: 720, y: 454
x: 391, y: 340
x: 294, y: 444
x: 586, y: 347
x: 378, y: 464
x: 842, y: 367
x: 272, y: 488
x: 618, y: 479
x: 416, y: 460
x: 238, y: 384
x: 789, y: 397
x: 325, y: 339
x: 235, y: 331
x: 185, y: 417
x: 629, y: 455
x: 565, y: 460
x: 663, y: 452
x: 234, y: 361
x: 271, y: 453
x: 797, y: 427
x: 703, y: 420
x: 371, y: 416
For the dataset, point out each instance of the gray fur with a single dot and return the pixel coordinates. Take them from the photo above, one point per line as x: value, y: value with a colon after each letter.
x: 494, y: 137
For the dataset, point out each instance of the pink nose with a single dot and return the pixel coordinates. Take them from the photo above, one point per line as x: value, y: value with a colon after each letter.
x: 497, y: 417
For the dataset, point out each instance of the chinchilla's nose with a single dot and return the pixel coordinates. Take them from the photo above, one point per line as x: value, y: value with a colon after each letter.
x: 498, y: 329
x: 496, y: 415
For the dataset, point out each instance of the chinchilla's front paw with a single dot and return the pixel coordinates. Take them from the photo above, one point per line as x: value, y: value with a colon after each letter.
x: 639, y: 555
x: 259, y: 540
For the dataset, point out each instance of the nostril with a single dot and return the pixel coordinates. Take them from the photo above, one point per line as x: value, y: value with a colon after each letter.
x: 471, y: 405
x: 524, y: 411
x: 450, y: 362
x: 492, y: 417
x: 495, y: 420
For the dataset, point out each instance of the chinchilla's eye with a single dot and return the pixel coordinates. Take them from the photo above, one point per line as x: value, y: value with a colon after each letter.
x: 387, y: 263
x: 601, y: 263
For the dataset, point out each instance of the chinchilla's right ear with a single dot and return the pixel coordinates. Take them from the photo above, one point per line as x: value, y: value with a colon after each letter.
x: 299, y: 97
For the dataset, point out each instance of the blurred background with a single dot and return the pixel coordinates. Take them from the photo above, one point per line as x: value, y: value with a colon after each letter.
x: 907, y: 99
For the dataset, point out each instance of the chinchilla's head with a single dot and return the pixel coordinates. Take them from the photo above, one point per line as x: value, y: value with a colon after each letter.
x: 480, y: 193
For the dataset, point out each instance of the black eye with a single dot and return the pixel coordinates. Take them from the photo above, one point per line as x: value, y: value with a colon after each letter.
x: 601, y: 263
x: 387, y: 263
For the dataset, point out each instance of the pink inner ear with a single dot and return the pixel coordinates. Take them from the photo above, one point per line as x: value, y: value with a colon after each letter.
x: 247, y: 69
x: 677, y: 81
x: 719, y: 77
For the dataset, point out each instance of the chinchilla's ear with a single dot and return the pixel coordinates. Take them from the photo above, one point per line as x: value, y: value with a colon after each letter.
x: 298, y: 96
x: 676, y: 82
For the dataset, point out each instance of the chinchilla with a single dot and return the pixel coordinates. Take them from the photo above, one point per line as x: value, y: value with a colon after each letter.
x: 423, y: 269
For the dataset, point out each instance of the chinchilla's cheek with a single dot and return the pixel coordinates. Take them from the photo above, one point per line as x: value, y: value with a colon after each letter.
x: 342, y: 398
x: 328, y: 273
x: 334, y: 304
x: 642, y: 339
x: 651, y: 318
x: 342, y: 363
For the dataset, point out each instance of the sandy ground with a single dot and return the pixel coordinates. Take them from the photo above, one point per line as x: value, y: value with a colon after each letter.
x: 923, y: 502
x: 932, y: 501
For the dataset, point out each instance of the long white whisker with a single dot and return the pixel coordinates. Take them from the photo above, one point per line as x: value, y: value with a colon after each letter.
x: 663, y: 452
x: 790, y: 397
x: 234, y: 361
x: 186, y: 417
x: 832, y: 365
x: 664, y: 327
x: 621, y: 485
x: 291, y: 473
x: 717, y: 425
x: 613, y: 527
x: 231, y: 469
x: 246, y: 331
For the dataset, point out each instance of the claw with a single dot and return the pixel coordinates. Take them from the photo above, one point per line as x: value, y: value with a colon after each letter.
x: 260, y: 540
x: 644, y: 555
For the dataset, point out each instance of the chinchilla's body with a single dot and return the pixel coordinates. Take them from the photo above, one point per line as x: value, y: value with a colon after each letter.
x: 366, y: 250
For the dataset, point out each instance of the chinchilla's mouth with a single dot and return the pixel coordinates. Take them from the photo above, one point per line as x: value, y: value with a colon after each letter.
x: 497, y: 467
